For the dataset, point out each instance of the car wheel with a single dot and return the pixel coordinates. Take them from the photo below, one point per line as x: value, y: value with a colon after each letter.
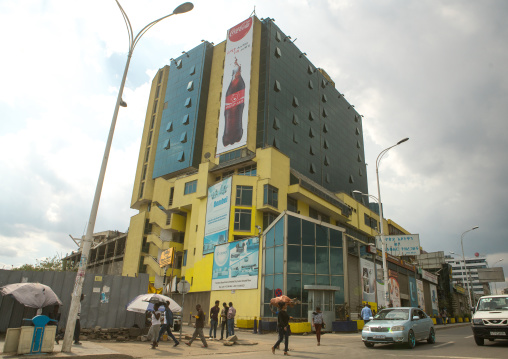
x: 369, y: 345
x: 411, y: 340
x: 479, y: 341
x: 432, y: 336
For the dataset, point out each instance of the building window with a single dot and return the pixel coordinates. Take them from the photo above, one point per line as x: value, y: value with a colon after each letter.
x: 271, y: 196
x: 242, y: 220
x: 244, y: 196
x: 369, y: 221
x: 185, y: 257
x: 228, y: 174
x: 268, y: 218
x: 248, y: 171
x: 292, y: 205
x: 190, y: 187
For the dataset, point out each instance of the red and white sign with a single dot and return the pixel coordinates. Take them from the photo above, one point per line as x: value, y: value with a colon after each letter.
x: 429, y: 277
x: 234, y: 110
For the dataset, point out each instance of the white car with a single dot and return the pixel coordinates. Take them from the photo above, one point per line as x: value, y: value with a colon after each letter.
x: 490, y: 318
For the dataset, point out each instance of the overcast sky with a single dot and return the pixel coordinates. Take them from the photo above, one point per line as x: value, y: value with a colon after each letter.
x: 433, y: 71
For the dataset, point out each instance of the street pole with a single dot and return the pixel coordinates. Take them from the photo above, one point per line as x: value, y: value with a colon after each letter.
x: 468, y: 276
x: 87, y: 242
x: 381, y: 224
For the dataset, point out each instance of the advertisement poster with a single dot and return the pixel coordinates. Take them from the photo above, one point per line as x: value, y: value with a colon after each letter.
x: 433, y: 296
x: 413, y: 292
x: 218, y: 208
x: 235, y: 265
x: 368, y: 281
x: 421, y: 298
x: 380, y: 286
x: 394, y: 288
x: 234, y: 110
x: 401, y: 245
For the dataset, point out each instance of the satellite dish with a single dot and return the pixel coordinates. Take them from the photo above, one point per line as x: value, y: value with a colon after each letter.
x: 207, y: 155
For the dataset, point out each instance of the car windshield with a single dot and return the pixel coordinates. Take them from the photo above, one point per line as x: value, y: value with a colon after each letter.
x: 392, y: 314
x: 493, y: 303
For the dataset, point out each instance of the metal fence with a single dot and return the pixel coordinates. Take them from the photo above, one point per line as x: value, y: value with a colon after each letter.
x: 104, y: 304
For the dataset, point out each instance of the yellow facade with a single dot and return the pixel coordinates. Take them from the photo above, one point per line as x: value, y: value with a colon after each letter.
x: 170, y: 218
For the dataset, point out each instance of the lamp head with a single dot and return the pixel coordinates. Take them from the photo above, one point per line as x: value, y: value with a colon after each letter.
x: 402, y: 141
x: 183, y: 8
x: 475, y: 227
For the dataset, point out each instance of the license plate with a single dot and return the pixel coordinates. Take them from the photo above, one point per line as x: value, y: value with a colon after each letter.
x: 379, y: 337
x: 497, y: 333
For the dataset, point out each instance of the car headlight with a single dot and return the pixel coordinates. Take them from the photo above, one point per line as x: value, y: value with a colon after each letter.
x: 478, y: 321
x: 366, y: 328
x: 397, y: 328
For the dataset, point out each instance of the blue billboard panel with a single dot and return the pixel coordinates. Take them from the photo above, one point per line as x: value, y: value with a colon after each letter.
x: 236, y: 265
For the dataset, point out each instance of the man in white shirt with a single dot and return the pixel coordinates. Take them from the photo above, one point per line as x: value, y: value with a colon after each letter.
x: 153, y: 333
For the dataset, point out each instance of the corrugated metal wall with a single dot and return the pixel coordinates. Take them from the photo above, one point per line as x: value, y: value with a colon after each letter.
x: 116, y: 292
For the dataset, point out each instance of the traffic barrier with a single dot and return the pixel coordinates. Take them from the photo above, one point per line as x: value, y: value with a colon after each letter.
x: 245, y: 323
x: 359, y: 324
x: 255, y: 330
x: 302, y: 327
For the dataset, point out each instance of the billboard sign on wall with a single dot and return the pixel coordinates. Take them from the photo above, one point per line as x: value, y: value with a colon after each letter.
x: 421, y: 297
x: 433, y: 297
x: 413, y: 292
x: 401, y: 245
x: 236, y: 265
x: 394, y: 288
x: 368, y: 281
x: 380, y: 286
x: 234, y: 110
x: 218, y: 208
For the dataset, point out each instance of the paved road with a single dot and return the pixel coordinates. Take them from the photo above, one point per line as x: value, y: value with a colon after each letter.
x: 451, y: 343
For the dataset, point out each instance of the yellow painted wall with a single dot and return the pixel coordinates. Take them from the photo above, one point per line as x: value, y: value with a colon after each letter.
x: 133, y: 245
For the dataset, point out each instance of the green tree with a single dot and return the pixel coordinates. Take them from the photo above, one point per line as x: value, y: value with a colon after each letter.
x: 48, y: 264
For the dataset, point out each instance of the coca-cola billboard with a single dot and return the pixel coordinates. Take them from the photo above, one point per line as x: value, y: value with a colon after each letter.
x: 234, y: 110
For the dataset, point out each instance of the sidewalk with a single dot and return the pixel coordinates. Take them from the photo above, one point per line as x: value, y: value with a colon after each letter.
x: 253, y: 345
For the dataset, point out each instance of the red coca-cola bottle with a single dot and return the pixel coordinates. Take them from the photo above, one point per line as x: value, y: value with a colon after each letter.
x: 233, y: 112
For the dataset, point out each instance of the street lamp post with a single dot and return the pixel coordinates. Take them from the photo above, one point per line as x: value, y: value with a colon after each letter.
x: 381, y: 225
x: 468, y: 279
x: 87, y: 241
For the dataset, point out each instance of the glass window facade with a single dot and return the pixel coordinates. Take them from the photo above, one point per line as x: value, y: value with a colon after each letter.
x: 271, y: 196
x: 190, y: 187
x: 244, y: 196
x: 314, y: 256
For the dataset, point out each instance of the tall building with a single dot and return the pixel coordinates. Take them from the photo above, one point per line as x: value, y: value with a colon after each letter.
x: 461, y: 273
x: 248, y: 160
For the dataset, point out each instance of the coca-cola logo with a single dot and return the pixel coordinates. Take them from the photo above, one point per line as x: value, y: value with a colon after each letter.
x: 239, y: 31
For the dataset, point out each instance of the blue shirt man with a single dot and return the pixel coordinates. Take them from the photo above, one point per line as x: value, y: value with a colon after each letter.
x: 366, y: 313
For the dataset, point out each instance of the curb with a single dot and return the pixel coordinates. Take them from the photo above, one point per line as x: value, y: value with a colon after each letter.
x: 451, y: 326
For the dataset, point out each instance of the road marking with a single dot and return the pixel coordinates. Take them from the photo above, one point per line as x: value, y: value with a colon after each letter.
x: 435, y: 356
x: 442, y: 345
x: 469, y: 336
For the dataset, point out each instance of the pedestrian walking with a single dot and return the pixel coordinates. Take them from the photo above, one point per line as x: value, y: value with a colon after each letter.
x: 200, y: 324
x: 214, y: 319
x: 167, y: 323
x: 231, y: 319
x: 366, y: 313
x: 283, y: 324
x: 444, y: 315
x: 318, y: 323
x: 224, y: 320
x: 153, y: 332
x: 77, y: 328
